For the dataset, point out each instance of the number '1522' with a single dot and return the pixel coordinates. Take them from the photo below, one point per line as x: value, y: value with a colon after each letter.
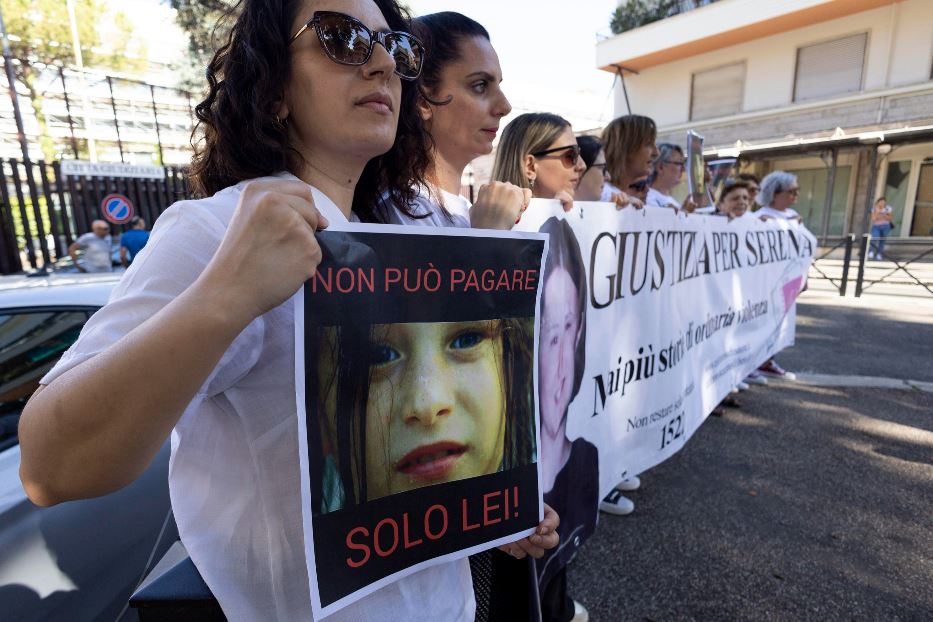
x: 672, y: 431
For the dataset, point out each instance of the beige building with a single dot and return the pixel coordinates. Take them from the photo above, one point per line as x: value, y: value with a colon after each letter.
x: 839, y: 92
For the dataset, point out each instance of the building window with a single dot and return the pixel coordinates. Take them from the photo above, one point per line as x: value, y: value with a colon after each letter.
x: 830, y: 68
x: 717, y: 92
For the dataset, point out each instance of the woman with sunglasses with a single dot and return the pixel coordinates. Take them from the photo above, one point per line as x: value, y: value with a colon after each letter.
x: 668, y: 172
x: 308, y: 120
x: 779, y: 191
x: 590, y: 186
x: 594, y: 178
x: 538, y: 151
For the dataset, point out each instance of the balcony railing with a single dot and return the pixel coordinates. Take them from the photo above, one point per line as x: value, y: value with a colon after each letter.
x: 632, y: 14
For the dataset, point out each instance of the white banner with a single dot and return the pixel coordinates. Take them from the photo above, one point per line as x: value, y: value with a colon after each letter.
x: 678, y: 309
x: 79, y: 168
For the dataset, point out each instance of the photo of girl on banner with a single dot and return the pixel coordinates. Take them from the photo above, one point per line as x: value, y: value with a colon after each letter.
x: 570, y: 470
x: 420, y: 404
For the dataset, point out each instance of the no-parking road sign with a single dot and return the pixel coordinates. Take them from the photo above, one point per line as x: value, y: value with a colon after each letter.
x: 117, y: 209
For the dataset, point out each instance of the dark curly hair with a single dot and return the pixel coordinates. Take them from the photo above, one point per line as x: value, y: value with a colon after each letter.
x: 243, y: 139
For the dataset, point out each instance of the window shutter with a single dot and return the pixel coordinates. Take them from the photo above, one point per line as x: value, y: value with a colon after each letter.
x: 830, y: 68
x: 717, y: 92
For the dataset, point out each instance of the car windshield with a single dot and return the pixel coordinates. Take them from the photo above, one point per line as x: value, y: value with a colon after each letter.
x: 30, y: 344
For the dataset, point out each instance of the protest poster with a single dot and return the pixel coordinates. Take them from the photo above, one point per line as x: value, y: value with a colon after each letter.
x: 720, y: 171
x: 696, y: 171
x: 659, y: 315
x: 417, y: 406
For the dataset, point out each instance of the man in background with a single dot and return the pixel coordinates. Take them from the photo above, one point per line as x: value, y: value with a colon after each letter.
x: 96, y: 247
x: 133, y: 241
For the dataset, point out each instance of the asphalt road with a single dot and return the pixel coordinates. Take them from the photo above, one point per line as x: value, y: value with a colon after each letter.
x: 808, y: 503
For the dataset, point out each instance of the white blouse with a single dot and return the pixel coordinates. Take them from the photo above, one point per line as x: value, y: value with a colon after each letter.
x: 234, y: 471
x: 427, y: 208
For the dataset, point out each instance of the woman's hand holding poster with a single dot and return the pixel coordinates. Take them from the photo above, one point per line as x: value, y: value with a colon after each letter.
x: 415, y: 359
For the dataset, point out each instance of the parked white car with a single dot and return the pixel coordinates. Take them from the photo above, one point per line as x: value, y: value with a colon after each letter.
x: 79, y: 560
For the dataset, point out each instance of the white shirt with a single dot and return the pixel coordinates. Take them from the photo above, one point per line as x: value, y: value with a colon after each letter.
x: 787, y: 214
x: 234, y: 472
x: 458, y: 210
x: 607, y: 192
x: 96, y: 252
x: 659, y: 199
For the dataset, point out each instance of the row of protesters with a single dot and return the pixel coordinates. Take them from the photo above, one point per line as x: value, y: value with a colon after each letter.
x: 303, y: 128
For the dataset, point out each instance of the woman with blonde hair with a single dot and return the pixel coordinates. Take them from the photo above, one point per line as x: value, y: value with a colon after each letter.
x: 629, y: 144
x: 538, y: 151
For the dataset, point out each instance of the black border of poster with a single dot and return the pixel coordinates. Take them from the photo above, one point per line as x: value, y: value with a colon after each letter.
x: 374, y: 278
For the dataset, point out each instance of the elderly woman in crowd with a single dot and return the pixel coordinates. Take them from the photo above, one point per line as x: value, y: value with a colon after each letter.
x: 779, y: 191
x: 668, y: 171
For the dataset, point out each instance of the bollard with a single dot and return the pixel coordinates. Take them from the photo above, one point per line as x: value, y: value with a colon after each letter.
x: 850, y: 240
x: 863, y: 253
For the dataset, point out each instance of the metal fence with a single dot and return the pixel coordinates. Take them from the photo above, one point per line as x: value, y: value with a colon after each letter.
x: 43, y: 211
x: 904, y: 263
x: 901, y: 262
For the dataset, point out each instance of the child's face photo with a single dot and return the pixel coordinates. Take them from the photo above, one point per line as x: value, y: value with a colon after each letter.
x: 436, y: 409
x: 435, y: 406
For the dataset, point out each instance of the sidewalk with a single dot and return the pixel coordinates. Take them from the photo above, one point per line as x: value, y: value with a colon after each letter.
x: 813, y: 501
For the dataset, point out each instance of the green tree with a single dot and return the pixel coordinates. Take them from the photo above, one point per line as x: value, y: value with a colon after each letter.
x: 207, y: 24
x: 40, y: 37
x: 637, y: 13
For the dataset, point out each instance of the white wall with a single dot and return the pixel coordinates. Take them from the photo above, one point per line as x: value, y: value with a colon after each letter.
x: 663, y: 92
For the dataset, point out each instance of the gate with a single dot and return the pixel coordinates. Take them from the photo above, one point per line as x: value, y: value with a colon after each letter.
x: 43, y: 213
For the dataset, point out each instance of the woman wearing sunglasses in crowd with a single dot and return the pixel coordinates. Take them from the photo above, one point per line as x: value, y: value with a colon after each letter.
x: 590, y: 186
x: 595, y: 176
x: 310, y: 117
x: 538, y: 151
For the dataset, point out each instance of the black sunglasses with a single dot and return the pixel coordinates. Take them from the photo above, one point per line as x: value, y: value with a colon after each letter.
x: 346, y: 40
x: 639, y: 185
x: 569, y: 157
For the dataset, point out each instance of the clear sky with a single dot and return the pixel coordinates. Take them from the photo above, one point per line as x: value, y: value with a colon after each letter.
x: 547, y: 49
x: 548, y: 53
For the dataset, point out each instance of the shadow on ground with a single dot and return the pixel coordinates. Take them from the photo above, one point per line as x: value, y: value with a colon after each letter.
x: 861, y: 341
x: 808, y: 503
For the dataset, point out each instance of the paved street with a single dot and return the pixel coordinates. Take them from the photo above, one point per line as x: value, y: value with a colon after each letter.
x: 811, y: 502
